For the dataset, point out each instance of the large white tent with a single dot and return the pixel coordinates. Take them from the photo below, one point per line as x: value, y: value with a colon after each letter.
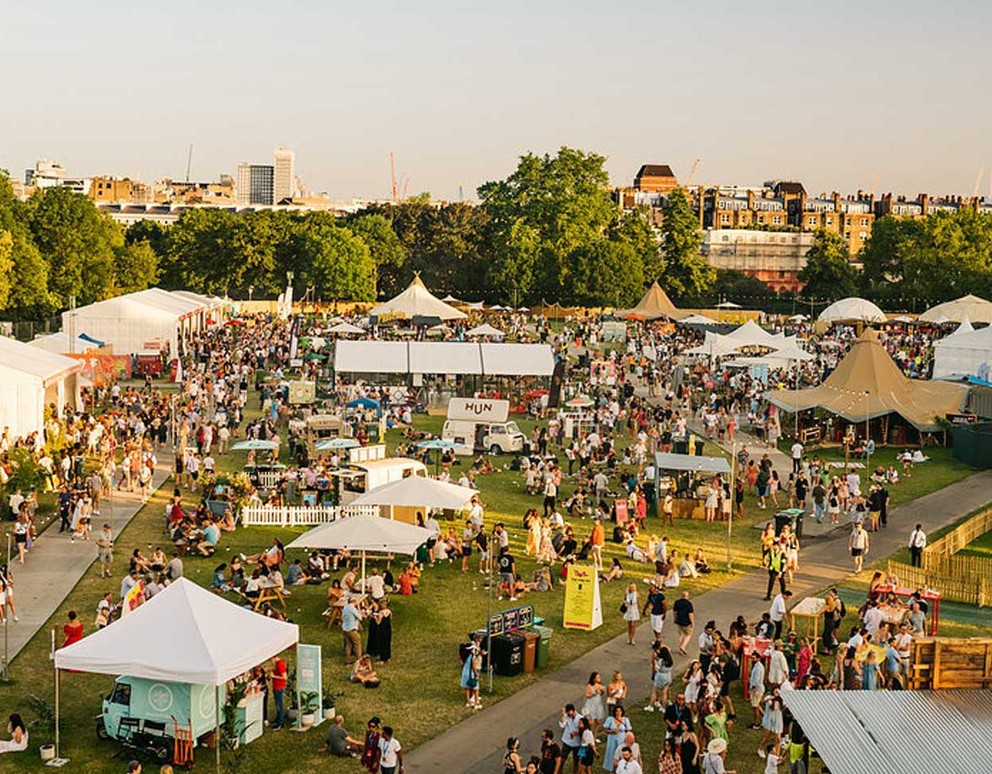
x: 964, y: 354
x: 417, y: 491
x: 852, y: 310
x: 31, y: 379
x: 969, y: 307
x: 138, y: 321
x: 416, y: 301
x: 60, y: 344
x: 443, y: 357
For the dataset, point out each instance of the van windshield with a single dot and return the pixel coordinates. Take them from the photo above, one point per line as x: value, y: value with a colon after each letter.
x: 512, y: 428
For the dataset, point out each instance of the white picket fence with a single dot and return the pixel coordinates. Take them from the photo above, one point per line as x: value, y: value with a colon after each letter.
x: 300, y: 515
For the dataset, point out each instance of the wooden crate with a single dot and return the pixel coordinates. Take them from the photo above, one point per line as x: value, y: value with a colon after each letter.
x: 950, y: 662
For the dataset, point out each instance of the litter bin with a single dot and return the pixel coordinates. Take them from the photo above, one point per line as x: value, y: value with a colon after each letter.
x: 543, y: 644
x: 507, y: 654
x: 787, y: 517
x: 531, y: 639
x: 681, y: 446
x: 698, y: 444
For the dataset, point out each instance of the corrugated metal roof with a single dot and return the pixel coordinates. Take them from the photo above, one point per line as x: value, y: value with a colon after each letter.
x: 897, y: 732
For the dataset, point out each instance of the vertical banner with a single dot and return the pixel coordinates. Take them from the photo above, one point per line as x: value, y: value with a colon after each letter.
x: 583, y: 608
x: 308, y: 678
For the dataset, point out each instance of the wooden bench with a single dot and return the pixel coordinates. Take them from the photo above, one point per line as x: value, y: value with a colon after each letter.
x: 269, y: 594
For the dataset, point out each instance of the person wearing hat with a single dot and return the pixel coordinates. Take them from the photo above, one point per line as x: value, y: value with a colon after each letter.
x: 713, y: 760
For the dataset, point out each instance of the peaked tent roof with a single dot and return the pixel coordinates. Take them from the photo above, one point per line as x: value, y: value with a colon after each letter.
x: 417, y: 491
x: 35, y: 361
x: 653, y: 305
x: 976, y: 309
x: 417, y: 301
x: 849, y: 310
x: 485, y: 330
x: 219, y: 639
x: 750, y: 334
x: 365, y: 533
x: 868, y: 383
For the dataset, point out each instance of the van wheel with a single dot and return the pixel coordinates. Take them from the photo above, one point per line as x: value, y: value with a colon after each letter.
x: 495, y: 450
x: 101, y: 730
x: 163, y: 754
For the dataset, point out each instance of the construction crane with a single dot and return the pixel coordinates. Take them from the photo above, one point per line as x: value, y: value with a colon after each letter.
x: 189, y: 161
x: 392, y: 175
x: 692, y: 173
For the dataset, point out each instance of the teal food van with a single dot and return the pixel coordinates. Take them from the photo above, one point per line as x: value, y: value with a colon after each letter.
x: 150, y: 708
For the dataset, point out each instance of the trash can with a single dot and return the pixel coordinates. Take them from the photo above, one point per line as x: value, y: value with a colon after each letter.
x: 531, y: 639
x: 681, y: 446
x: 698, y: 445
x: 783, y: 518
x: 507, y: 654
x: 543, y: 644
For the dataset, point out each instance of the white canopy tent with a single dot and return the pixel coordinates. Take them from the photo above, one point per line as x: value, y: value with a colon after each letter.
x: 31, y: 379
x: 964, y: 354
x: 969, y: 307
x: 59, y: 343
x: 416, y: 301
x: 485, y: 330
x: 345, y: 329
x: 852, y: 310
x: 443, y: 357
x: 417, y: 491
x: 183, y: 634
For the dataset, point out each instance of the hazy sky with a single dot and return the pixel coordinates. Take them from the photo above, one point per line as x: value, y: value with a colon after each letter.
x: 890, y: 95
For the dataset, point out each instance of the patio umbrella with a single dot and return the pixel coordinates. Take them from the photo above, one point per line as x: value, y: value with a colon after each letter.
x: 345, y: 328
x: 417, y: 491
x: 579, y: 402
x: 364, y: 533
x: 254, y: 444
x: 439, y: 444
x: 728, y: 305
x: 336, y: 443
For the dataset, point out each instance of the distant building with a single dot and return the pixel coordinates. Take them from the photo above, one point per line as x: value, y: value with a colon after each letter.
x: 655, y: 178
x: 852, y: 217
x: 51, y: 174
x: 774, y: 257
x: 256, y: 184
x: 111, y: 189
x: 169, y: 191
x: 284, y: 185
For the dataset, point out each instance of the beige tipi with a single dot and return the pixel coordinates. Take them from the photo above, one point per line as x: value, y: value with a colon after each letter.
x: 654, y: 305
x: 416, y: 301
x: 867, y: 384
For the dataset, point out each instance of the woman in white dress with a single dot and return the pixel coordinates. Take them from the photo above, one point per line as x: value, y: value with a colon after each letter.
x: 631, y: 612
x: 18, y: 736
x: 595, y: 702
x: 693, y: 680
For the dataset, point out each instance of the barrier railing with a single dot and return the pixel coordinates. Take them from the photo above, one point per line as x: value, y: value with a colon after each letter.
x: 300, y: 515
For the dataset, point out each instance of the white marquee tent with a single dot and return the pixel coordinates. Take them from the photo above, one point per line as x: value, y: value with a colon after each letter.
x: 30, y: 379
x: 852, y: 310
x: 964, y: 354
x: 416, y: 301
x: 60, y: 344
x: 969, y: 307
x: 443, y: 357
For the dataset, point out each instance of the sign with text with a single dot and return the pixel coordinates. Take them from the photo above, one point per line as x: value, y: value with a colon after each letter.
x: 583, y: 607
x: 308, y: 678
x: 508, y: 620
x: 479, y: 409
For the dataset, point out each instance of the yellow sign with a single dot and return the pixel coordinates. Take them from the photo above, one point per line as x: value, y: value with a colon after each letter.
x: 583, y: 608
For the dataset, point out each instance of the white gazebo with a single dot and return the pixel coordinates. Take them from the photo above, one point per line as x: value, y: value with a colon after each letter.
x: 969, y: 307
x: 416, y: 301
x: 852, y: 310
x: 183, y: 634
x: 485, y: 330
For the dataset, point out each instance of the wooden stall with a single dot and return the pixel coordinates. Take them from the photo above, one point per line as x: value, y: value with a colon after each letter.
x: 950, y: 662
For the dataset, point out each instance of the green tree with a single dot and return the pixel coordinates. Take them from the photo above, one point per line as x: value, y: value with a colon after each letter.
x: 78, y: 243
x: 686, y: 271
x: 734, y: 286
x: 828, y: 273
x: 385, y: 247
x: 135, y: 267
x: 328, y: 257
x: 28, y: 297
x: 607, y: 273
x: 6, y: 266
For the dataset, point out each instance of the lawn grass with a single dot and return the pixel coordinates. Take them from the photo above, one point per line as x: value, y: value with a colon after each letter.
x: 982, y: 546
x: 420, y: 695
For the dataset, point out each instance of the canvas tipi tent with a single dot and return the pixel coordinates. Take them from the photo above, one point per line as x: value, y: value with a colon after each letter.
x: 867, y: 384
x: 416, y: 301
x: 654, y: 305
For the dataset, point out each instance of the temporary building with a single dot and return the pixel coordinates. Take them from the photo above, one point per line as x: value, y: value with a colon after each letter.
x: 973, y: 308
x: 443, y: 357
x: 892, y: 732
x: 654, y: 305
x: 138, y: 321
x: 968, y: 353
x: 698, y: 319
x: 416, y: 301
x: 852, y: 310
x: 867, y: 384
x: 31, y: 379
x: 61, y: 344
x: 485, y: 330
x: 750, y: 334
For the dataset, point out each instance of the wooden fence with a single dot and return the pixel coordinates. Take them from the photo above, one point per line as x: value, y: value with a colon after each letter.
x: 300, y: 515
x: 946, y: 547
x: 971, y: 589
x: 950, y: 662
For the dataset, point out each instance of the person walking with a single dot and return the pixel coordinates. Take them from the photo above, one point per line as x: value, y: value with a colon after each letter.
x: 105, y: 550
x: 391, y: 757
x: 351, y: 619
x: 777, y: 611
x: 917, y: 542
x: 631, y: 612
x: 776, y: 568
x: 685, y: 620
x: 858, y: 545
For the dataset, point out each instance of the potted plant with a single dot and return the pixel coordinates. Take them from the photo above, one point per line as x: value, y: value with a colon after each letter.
x: 309, y: 704
x: 290, y: 694
x: 44, y: 724
x: 327, y: 702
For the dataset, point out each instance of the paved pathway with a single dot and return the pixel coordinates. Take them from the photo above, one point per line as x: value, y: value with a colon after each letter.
x: 477, y: 743
x: 55, y: 565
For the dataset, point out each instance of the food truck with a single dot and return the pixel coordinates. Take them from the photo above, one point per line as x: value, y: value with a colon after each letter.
x: 321, y: 427
x: 480, y: 424
x: 369, y: 467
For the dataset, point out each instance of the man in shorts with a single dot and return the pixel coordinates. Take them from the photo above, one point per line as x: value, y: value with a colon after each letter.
x: 685, y: 616
x: 655, y: 605
x: 105, y: 550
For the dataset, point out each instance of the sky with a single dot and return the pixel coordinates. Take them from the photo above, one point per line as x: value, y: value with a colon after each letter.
x: 883, y: 96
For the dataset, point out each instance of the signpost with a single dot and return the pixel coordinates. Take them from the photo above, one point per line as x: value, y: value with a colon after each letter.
x: 583, y: 606
x: 308, y: 678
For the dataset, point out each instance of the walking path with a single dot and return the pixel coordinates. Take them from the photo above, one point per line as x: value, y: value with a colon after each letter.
x: 55, y: 564
x: 477, y: 743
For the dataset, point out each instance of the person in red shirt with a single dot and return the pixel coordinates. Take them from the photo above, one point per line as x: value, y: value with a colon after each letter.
x: 73, y: 630
x: 279, y: 675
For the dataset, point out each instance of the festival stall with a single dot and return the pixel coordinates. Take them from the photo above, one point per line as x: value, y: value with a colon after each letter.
x: 687, y: 475
x: 851, y: 310
x: 416, y: 302
x: 31, y: 379
x: 964, y: 354
x: 183, y: 639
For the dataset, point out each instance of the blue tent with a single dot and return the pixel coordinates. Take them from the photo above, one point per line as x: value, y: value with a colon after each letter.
x: 366, y: 403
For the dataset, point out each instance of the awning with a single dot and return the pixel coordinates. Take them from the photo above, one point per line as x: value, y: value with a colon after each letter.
x: 517, y: 360
x: 665, y: 461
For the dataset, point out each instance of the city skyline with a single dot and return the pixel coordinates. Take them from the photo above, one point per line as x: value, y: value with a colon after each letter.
x: 862, y: 99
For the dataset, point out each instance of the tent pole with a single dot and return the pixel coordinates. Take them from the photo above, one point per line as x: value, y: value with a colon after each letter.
x: 217, y: 725
x: 58, y: 697
x: 363, y: 571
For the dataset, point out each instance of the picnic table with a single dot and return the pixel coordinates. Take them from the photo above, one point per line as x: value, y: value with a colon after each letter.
x: 930, y: 596
x: 811, y: 609
x: 269, y: 594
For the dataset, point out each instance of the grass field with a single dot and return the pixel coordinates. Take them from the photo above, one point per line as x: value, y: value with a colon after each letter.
x: 420, y: 695
x: 980, y: 547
